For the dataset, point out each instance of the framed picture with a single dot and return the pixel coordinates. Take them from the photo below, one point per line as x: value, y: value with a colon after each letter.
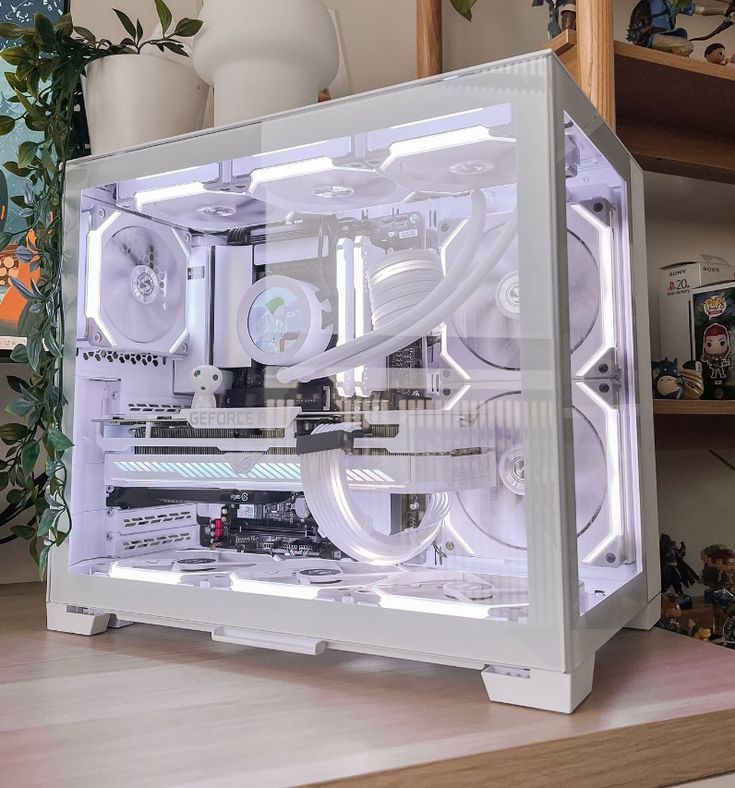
x: 19, y: 12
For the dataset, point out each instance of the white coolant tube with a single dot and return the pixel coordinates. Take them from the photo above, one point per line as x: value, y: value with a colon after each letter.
x: 342, y: 521
x: 457, y: 286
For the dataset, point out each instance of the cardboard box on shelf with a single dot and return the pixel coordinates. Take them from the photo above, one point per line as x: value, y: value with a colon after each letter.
x: 676, y: 284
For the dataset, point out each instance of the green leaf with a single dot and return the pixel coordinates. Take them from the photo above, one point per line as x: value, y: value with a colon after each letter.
x: 26, y: 152
x: 65, y: 25
x: 33, y: 549
x: 176, y: 48
x: 164, y: 14
x: 188, y: 27
x: 17, y: 384
x: 46, y: 33
x: 14, y: 55
x: 19, y: 408
x: 12, y: 433
x: 7, y: 124
x: 12, y: 167
x: 11, y: 31
x: 138, y: 30
x: 53, y: 346
x: 34, y: 352
x: 24, y: 531
x: 464, y: 7
x: 25, y: 291
x: 29, y: 457
x: 56, y: 439
x: 19, y: 354
x: 126, y: 22
x: 43, y: 560
x: 49, y: 519
x: 85, y: 33
x: 14, y: 497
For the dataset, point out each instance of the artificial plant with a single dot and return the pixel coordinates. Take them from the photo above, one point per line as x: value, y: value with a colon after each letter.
x: 49, y: 61
x: 464, y: 7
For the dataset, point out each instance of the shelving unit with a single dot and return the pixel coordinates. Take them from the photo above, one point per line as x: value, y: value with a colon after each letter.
x: 664, y: 134
x: 701, y: 424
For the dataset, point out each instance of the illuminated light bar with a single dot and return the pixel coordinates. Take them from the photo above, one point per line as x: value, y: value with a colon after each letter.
x: 267, y: 588
x: 607, y: 294
x: 434, y: 606
x: 160, y: 576
x: 93, y: 307
x: 441, y: 141
x: 279, y: 172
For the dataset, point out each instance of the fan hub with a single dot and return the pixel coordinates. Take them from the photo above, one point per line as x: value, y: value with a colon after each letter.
x: 145, y: 284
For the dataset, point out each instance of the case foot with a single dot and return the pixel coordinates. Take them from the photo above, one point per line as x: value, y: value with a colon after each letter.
x: 648, y: 617
x: 118, y: 623
x: 75, y: 620
x: 540, y: 689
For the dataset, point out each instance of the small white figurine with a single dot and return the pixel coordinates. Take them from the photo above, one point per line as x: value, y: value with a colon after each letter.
x: 207, y: 381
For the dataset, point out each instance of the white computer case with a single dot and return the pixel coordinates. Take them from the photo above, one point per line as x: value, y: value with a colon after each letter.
x: 311, y: 408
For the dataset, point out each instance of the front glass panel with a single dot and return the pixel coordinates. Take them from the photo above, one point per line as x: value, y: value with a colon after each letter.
x: 603, y: 369
x: 300, y: 372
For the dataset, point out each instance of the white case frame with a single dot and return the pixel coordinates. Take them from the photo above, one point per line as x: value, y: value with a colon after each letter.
x: 547, y: 662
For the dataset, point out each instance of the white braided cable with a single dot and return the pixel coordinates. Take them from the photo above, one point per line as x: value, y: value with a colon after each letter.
x: 342, y: 521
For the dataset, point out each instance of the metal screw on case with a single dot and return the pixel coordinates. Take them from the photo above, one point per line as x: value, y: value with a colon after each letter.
x: 449, y: 545
x: 603, y: 368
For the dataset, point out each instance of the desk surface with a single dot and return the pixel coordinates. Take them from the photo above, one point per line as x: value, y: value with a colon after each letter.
x: 152, y: 707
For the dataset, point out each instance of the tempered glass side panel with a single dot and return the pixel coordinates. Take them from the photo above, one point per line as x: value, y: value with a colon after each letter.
x: 604, y: 375
x: 328, y: 368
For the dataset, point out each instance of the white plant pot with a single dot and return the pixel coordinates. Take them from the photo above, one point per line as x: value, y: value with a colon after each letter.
x: 264, y: 57
x: 134, y: 99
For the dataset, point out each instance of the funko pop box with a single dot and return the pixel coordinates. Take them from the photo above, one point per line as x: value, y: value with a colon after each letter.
x: 713, y: 338
x: 676, y: 283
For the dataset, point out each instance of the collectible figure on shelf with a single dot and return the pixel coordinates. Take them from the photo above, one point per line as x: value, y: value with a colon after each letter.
x: 670, y: 613
x: 692, y: 380
x: 713, y: 324
x: 697, y: 632
x: 667, y: 383
x: 670, y: 381
x: 562, y: 15
x: 716, y: 354
x: 719, y: 569
x: 723, y: 602
x: 653, y: 24
x: 716, y: 54
x: 676, y: 573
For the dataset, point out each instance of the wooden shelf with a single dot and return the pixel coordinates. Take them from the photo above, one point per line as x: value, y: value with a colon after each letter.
x: 679, y: 407
x: 673, y: 112
x: 694, y: 424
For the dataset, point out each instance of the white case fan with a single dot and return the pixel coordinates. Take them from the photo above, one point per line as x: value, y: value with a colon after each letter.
x: 322, y: 186
x: 452, y: 161
x: 488, y: 326
x: 136, y: 294
x: 202, y: 208
x: 496, y: 515
x: 179, y: 566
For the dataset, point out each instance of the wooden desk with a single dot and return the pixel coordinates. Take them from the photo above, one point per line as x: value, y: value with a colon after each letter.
x: 152, y: 707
